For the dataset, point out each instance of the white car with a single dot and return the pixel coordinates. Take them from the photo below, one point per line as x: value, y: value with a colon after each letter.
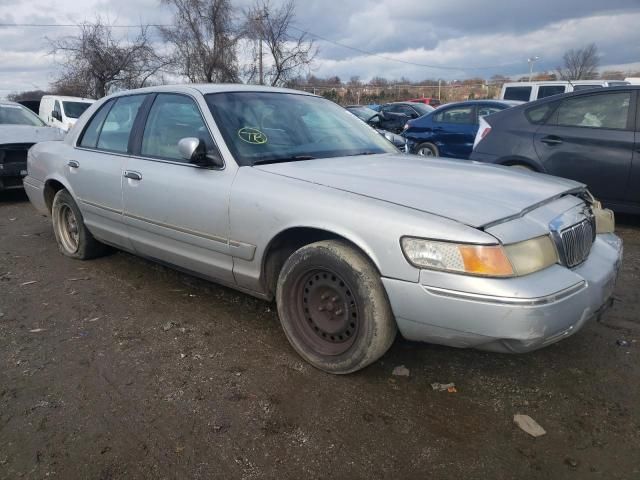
x: 62, y: 112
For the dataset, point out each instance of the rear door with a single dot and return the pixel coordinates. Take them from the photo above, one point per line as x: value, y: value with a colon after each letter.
x: 454, y: 130
x: 96, y: 165
x: 590, y: 138
x: 177, y: 212
x: 633, y: 188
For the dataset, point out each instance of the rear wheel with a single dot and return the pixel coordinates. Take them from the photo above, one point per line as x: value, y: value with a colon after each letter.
x: 73, y: 237
x: 427, y: 150
x: 333, y: 307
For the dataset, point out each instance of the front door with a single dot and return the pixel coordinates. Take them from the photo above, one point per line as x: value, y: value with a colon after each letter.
x: 95, y: 168
x: 177, y: 212
x: 590, y: 138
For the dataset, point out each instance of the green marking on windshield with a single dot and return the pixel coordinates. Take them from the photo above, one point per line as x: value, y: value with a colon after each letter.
x: 252, y: 136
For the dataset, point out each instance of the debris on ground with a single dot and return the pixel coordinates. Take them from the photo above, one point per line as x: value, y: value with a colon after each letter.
x: 28, y: 283
x: 444, y: 387
x: 78, y: 279
x: 401, y: 371
x: 622, y: 343
x: 572, y: 462
x: 169, y: 325
x: 529, y: 425
x: 183, y: 355
x: 37, y: 330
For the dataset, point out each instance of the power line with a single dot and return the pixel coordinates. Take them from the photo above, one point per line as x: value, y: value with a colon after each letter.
x: 391, y: 59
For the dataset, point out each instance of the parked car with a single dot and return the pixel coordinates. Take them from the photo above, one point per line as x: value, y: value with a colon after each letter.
x: 589, y: 136
x: 20, y: 128
x: 432, y: 102
x: 33, y: 105
x: 62, y: 112
x: 450, y: 130
x: 279, y: 194
x: 372, y: 118
x: 529, y: 91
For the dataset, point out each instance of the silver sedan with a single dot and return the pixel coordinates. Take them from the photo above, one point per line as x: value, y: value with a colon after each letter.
x: 287, y: 196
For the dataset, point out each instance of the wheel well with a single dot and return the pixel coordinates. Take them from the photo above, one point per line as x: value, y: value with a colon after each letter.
x: 513, y: 162
x: 285, y: 243
x: 51, y: 187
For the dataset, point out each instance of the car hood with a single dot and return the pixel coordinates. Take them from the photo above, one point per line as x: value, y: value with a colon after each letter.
x: 28, y: 134
x: 473, y: 193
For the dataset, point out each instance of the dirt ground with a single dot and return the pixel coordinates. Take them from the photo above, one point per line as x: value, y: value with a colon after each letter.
x: 118, y: 368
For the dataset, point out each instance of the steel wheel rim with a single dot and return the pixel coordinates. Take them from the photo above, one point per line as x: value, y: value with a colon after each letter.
x: 67, y: 227
x: 328, y: 314
x: 426, y: 152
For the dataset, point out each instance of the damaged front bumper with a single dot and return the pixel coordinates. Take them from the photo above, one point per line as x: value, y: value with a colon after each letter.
x: 514, y: 315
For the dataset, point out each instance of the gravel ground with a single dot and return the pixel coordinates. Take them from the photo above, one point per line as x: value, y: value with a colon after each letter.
x: 118, y: 368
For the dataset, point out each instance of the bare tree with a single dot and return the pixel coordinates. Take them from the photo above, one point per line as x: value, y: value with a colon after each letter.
x: 204, y: 40
x: 290, y: 53
x: 96, y: 63
x: 581, y: 64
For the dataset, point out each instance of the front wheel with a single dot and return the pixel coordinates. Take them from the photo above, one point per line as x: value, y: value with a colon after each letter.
x: 427, y: 150
x: 333, y: 307
x: 73, y: 237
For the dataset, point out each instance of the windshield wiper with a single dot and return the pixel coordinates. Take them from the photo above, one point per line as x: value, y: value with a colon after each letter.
x: 294, y: 158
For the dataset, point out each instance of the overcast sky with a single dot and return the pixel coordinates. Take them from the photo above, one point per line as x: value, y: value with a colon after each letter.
x: 467, y: 38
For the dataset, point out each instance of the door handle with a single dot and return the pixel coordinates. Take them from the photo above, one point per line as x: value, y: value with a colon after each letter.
x: 73, y: 164
x: 132, y: 175
x: 551, y: 140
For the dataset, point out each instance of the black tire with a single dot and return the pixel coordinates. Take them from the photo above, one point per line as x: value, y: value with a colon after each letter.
x: 73, y: 237
x: 427, y: 150
x: 333, y: 307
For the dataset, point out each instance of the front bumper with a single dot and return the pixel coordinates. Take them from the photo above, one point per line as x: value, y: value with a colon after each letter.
x: 507, y: 315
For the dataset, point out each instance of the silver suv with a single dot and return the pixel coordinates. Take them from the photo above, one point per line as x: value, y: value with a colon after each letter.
x: 286, y: 195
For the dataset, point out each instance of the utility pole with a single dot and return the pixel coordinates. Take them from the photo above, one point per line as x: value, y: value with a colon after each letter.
x: 439, y: 84
x: 259, y: 19
x: 531, y: 61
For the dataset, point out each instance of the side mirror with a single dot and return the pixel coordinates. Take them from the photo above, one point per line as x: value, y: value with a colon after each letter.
x: 56, y: 115
x: 194, y: 150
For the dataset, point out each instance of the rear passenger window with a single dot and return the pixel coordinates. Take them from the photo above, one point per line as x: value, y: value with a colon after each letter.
x: 91, y: 133
x: 172, y: 118
x: 116, y: 129
x: 455, y: 115
x: 548, y: 90
x: 540, y: 113
x: 483, y: 111
x: 609, y: 110
x: 522, y: 94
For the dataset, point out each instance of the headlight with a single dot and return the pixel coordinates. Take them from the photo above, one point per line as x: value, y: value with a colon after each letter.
x: 532, y: 255
x: 483, y: 260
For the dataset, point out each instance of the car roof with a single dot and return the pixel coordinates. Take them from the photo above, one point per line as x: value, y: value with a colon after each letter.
x: 13, y: 104
x: 206, y: 88
x: 511, y: 103
x: 578, y: 93
x: 66, y: 98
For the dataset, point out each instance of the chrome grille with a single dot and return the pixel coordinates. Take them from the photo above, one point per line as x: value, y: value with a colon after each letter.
x: 576, y: 242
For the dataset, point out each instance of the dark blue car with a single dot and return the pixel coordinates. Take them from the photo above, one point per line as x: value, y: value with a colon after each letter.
x: 450, y: 130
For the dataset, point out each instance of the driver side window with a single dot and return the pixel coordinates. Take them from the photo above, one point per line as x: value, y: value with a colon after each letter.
x: 172, y: 117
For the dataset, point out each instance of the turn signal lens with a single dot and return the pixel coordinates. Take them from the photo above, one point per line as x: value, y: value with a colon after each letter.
x: 489, y: 261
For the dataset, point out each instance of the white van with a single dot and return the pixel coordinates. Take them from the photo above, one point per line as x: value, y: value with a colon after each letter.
x: 62, y: 112
x: 529, y: 91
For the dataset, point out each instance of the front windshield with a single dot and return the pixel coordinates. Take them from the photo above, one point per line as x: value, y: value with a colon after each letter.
x: 422, y: 108
x: 74, y: 109
x: 19, y: 115
x: 264, y: 127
